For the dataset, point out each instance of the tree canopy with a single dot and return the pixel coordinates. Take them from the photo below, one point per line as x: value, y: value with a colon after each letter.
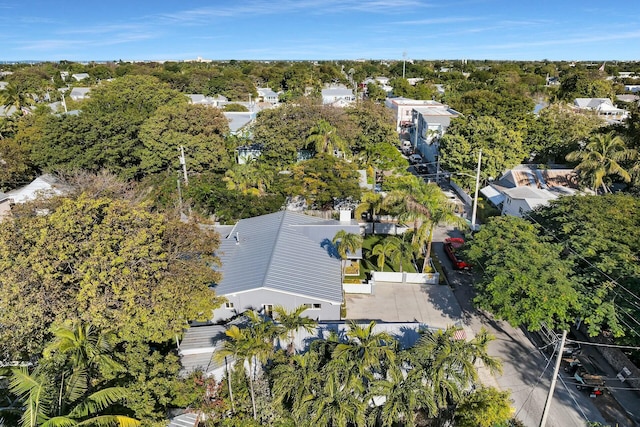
x: 198, y: 128
x: 525, y: 280
x: 106, y: 261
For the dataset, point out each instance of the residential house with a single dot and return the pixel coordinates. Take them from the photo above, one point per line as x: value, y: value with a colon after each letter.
x: 79, y: 93
x: 267, y: 95
x: 213, y: 101
x: 338, y: 96
x: 197, y: 348
x: 601, y: 106
x: 525, y: 187
x: 632, y: 88
x: 628, y: 98
x: 80, y: 76
x: 284, y: 258
x: 246, y: 153
x: 240, y: 121
x: 44, y: 186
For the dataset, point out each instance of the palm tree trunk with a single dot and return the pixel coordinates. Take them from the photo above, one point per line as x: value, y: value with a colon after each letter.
x: 253, y: 395
x: 226, y: 365
x: 427, y: 256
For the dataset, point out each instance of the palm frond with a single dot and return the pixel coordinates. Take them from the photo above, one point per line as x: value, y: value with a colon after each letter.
x: 98, y: 401
x: 110, y: 421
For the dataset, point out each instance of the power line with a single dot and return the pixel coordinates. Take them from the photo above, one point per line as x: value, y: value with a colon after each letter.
x: 614, y: 281
x: 604, y: 345
x: 533, y: 387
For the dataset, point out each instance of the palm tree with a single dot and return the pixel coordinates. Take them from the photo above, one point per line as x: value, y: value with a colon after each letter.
x: 38, y: 391
x: 601, y: 157
x: 323, y: 137
x: 385, y: 250
x: 447, y: 364
x: 404, y: 394
x: 371, y: 203
x: 251, y: 345
x: 13, y: 96
x: 291, y: 322
x: 239, y: 347
x: 337, y: 405
x: 426, y: 206
x: 367, y: 350
x: 346, y: 243
x: 85, y: 346
x: 295, y: 382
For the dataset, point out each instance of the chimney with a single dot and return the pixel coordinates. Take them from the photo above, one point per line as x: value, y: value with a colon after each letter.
x: 345, y: 215
x: 237, y: 238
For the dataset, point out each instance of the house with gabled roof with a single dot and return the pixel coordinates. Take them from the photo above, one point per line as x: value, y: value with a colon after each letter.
x: 239, y: 121
x: 79, y: 93
x: 265, y: 94
x: 284, y: 258
x: 43, y: 186
x: 525, y: 187
x: 337, y: 96
x: 80, y: 76
x: 601, y: 106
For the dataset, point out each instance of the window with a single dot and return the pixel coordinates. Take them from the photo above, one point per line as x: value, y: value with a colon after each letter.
x: 267, y: 309
x: 313, y: 306
x: 228, y: 305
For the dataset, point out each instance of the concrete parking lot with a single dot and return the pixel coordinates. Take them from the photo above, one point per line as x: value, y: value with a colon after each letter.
x: 432, y: 305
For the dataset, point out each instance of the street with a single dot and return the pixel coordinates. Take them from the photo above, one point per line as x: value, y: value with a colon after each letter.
x: 526, y: 370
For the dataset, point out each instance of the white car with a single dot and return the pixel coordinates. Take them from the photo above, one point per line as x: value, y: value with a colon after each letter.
x: 415, y: 158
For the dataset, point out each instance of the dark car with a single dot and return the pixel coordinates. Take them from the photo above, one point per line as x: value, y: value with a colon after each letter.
x: 421, y: 169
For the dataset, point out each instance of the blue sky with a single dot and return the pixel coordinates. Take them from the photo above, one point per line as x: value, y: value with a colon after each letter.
x: 319, y: 29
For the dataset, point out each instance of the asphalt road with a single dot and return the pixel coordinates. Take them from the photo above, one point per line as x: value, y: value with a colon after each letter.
x: 526, y: 369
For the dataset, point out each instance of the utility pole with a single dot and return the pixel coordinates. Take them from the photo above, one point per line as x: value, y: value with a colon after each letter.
x: 183, y: 162
x: 547, y: 404
x: 475, y: 198
x: 404, y: 60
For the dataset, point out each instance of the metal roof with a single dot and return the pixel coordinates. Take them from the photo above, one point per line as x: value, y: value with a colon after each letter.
x: 284, y: 251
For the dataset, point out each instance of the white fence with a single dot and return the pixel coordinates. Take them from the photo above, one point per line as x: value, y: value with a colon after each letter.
x: 390, y: 277
x: 357, y: 288
x: 421, y: 278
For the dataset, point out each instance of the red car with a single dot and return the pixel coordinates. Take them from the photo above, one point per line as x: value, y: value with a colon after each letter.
x: 450, y: 247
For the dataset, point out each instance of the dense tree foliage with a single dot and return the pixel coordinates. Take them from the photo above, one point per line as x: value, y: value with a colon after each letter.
x: 199, y: 129
x: 323, y: 180
x: 557, y: 130
x: 105, y: 261
x: 501, y: 146
x: 525, y: 281
x: 600, y: 236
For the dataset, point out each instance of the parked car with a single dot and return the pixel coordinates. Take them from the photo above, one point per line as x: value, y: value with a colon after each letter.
x: 415, y: 158
x: 421, y: 169
x: 450, y: 247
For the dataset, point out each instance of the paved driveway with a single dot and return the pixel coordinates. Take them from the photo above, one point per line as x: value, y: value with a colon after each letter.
x: 432, y: 305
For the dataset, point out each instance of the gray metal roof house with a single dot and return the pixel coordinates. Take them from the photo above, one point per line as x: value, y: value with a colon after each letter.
x: 284, y: 258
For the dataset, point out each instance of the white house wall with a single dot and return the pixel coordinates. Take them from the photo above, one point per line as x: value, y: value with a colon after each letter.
x: 256, y: 299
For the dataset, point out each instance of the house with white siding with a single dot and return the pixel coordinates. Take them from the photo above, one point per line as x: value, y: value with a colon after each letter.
x: 285, y: 258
